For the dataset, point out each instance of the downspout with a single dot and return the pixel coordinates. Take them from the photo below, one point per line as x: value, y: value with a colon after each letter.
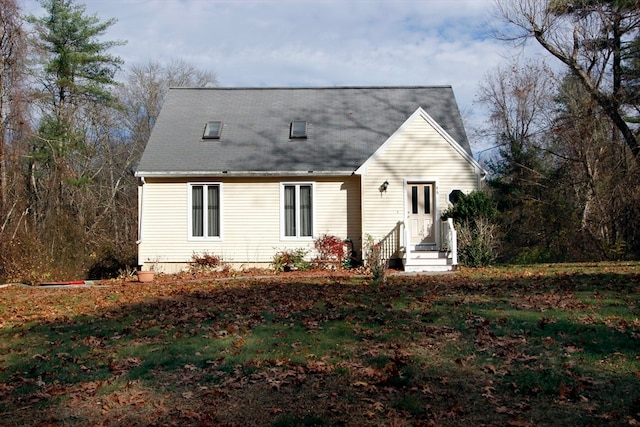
x: 361, y: 180
x: 140, y: 207
x: 481, y: 177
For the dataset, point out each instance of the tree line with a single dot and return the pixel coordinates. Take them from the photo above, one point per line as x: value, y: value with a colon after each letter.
x: 73, y: 125
x: 565, y: 173
x: 563, y: 178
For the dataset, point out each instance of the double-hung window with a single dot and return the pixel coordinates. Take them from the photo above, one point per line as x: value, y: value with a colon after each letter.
x: 297, y: 210
x: 205, y: 213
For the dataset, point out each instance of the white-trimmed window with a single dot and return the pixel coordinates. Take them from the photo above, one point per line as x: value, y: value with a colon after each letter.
x: 205, y: 211
x: 297, y: 210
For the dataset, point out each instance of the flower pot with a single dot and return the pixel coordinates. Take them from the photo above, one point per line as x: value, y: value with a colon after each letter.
x: 145, y: 276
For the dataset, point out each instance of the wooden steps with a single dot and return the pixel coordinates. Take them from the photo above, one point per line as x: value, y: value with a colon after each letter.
x: 426, y: 261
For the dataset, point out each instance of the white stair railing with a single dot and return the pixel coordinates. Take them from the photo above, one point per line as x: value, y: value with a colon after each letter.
x: 389, y: 245
x: 450, y: 240
x: 407, y: 242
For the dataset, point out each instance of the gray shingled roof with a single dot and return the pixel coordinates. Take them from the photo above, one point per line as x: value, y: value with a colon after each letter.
x: 345, y: 127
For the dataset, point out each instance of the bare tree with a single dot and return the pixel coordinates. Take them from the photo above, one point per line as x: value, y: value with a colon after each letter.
x: 590, y: 37
x: 12, y: 107
x: 145, y: 87
x: 520, y: 101
x: 602, y: 178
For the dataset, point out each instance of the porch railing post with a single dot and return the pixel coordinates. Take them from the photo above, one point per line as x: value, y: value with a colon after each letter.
x: 407, y: 243
x: 453, y: 242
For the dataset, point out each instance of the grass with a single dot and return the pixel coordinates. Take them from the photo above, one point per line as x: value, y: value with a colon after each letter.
x: 523, y: 346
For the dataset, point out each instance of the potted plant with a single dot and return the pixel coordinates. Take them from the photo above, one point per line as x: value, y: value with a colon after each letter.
x: 147, y: 275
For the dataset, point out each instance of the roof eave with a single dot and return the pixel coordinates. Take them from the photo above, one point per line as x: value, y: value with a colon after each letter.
x: 202, y: 174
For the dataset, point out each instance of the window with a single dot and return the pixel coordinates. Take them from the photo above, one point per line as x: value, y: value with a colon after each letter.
x: 298, y: 129
x: 297, y: 210
x: 205, y: 212
x: 212, y: 130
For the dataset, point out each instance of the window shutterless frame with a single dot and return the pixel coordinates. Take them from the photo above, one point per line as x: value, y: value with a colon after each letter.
x: 204, y: 216
x: 298, y: 129
x: 297, y: 210
x: 212, y: 130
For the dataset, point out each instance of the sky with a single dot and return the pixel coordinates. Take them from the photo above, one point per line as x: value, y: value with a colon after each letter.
x: 265, y: 43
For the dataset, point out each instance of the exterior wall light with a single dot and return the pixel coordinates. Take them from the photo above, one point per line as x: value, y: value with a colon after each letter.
x: 383, y: 187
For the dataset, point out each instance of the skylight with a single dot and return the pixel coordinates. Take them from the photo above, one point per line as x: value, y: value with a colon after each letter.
x: 212, y: 130
x: 298, y: 129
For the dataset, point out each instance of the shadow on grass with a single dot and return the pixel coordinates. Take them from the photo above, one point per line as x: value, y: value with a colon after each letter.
x: 442, y: 349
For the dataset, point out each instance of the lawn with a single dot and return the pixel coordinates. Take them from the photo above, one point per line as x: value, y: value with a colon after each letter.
x: 508, y: 346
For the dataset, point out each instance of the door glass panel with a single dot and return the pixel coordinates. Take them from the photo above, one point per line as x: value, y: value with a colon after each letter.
x: 427, y: 199
x: 414, y: 199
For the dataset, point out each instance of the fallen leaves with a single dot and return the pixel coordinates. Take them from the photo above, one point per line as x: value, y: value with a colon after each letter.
x: 434, y: 350
x: 119, y: 367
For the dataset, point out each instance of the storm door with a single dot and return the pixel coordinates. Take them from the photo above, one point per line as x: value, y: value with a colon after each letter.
x: 421, y: 215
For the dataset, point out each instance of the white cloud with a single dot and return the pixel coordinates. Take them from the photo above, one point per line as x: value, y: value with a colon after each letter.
x: 311, y: 42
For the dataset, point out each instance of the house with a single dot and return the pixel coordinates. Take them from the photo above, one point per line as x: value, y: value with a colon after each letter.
x: 244, y: 173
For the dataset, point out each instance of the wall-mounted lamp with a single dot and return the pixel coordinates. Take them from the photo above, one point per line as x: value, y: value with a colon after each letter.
x: 384, y: 186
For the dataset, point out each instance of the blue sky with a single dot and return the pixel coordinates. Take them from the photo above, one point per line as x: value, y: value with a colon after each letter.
x: 313, y: 42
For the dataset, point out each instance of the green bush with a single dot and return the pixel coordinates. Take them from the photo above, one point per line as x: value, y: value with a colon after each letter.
x: 289, y: 260
x: 535, y: 255
x: 111, y: 263
x: 469, y: 206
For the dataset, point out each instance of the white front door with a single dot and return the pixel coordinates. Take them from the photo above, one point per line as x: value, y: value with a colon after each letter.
x: 421, y: 215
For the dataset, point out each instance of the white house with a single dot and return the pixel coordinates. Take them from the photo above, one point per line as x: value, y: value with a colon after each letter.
x: 244, y: 173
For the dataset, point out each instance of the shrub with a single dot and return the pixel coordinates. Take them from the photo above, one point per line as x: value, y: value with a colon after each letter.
x: 374, y: 261
x: 24, y: 260
x: 111, y: 263
x: 289, y: 260
x: 332, y: 252
x: 469, y: 206
x: 205, y: 262
x: 478, y: 240
x: 533, y: 255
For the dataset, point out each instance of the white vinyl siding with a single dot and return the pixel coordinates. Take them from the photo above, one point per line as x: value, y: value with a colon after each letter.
x: 251, y: 226
x: 417, y: 153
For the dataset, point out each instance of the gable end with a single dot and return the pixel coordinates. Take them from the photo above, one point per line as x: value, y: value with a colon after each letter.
x: 421, y: 114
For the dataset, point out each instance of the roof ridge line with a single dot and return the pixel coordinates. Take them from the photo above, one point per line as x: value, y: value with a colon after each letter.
x: 310, y: 87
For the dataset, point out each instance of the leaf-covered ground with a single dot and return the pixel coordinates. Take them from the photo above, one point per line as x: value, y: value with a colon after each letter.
x: 527, y: 346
